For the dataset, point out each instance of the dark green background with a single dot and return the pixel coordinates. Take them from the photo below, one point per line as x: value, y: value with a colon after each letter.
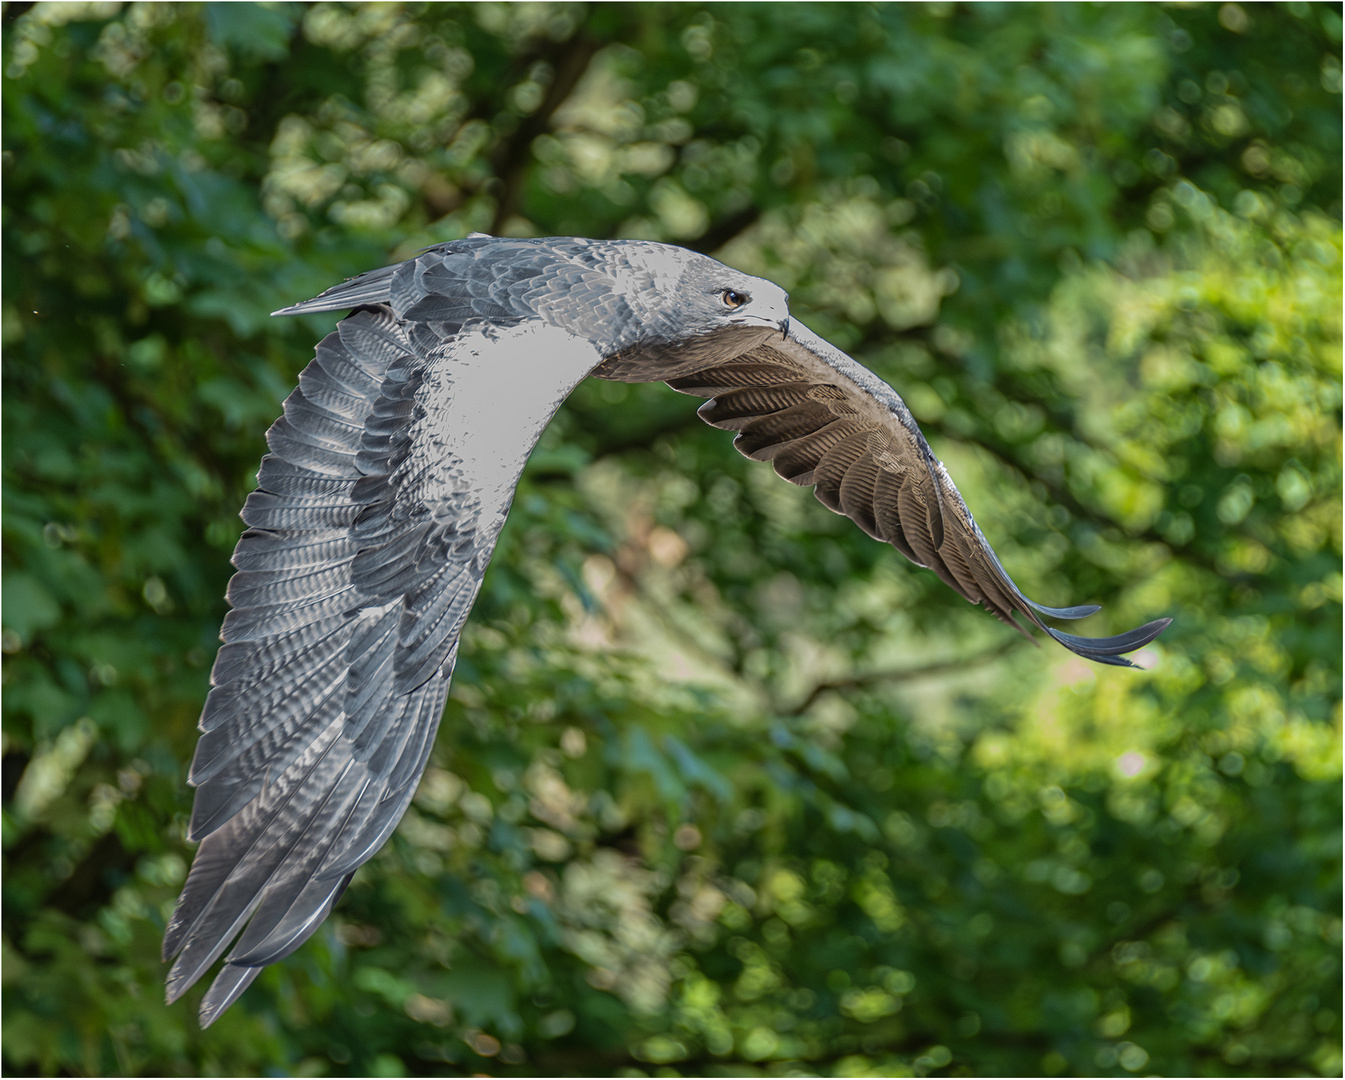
x: 724, y: 787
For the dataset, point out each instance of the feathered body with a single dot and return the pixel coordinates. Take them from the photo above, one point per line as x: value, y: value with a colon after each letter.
x: 388, y: 481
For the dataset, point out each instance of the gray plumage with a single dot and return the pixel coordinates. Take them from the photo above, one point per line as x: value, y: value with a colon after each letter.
x: 388, y: 481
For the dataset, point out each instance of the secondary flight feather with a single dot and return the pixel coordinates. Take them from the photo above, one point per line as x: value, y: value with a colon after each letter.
x: 387, y: 483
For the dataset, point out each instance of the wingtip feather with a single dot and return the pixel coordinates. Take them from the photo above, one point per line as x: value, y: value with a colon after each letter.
x: 1081, y: 611
x: 228, y: 986
x: 1111, y: 650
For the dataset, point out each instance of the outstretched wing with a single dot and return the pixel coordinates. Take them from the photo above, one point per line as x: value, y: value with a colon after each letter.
x: 375, y: 515
x: 821, y: 419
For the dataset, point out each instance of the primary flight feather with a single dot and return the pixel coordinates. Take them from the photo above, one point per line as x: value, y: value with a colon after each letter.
x: 388, y: 481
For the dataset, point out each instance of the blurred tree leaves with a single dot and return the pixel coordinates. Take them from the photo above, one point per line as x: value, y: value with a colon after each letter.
x: 723, y: 786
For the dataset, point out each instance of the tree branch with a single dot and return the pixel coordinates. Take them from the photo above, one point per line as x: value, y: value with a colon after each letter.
x: 942, y: 667
x: 510, y: 159
x: 721, y: 232
x: 14, y: 10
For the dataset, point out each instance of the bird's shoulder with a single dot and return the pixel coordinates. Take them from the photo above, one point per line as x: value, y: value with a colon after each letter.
x: 485, y: 278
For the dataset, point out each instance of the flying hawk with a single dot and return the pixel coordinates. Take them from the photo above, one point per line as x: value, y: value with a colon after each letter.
x: 387, y: 484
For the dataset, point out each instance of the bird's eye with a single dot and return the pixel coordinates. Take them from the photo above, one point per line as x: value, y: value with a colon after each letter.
x: 734, y: 299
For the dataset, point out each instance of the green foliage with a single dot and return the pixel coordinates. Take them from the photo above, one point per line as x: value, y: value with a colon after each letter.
x: 723, y: 787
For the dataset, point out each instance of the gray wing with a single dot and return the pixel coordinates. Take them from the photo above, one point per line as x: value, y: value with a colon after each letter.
x: 822, y: 419
x: 368, y: 535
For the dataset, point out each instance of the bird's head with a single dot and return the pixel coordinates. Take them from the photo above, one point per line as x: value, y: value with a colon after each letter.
x: 716, y: 297
x: 695, y: 312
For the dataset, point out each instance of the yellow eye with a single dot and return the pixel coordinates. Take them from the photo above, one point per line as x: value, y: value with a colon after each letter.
x: 734, y: 299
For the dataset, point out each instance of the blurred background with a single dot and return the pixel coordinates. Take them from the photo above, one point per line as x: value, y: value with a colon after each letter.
x: 723, y: 787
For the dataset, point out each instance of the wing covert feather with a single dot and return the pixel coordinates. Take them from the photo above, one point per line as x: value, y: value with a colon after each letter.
x: 367, y: 539
x: 824, y: 420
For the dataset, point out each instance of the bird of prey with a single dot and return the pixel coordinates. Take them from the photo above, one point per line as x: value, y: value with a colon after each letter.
x: 387, y: 483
